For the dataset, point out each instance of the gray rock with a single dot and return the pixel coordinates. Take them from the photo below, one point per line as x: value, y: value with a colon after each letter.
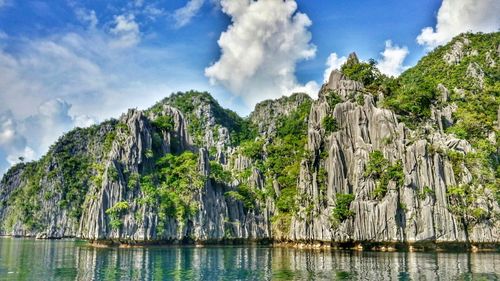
x: 456, y: 53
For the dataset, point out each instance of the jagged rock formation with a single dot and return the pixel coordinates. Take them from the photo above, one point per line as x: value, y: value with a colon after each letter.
x: 345, y: 168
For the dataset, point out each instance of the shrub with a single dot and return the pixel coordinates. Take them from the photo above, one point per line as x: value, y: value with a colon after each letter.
x: 108, y: 141
x: 252, y: 149
x: 149, y: 154
x: 341, y: 211
x: 426, y: 191
x: 244, y: 194
x: 113, y: 173
x: 164, y: 123
x: 360, y: 99
x: 116, y: 212
x: 218, y: 174
x: 133, y: 180
x: 363, y: 72
x: 376, y: 164
x: 333, y: 99
x: 123, y: 128
x: 329, y: 123
x: 383, y: 172
x: 286, y: 201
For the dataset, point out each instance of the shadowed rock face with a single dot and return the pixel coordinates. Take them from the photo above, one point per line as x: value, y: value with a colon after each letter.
x: 414, y: 208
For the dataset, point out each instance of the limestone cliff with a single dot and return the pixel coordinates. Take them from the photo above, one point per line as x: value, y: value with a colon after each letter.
x: 356, y: 165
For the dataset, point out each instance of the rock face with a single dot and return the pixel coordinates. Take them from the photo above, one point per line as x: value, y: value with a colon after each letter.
x: 404, y: 214
x: 116, y: 181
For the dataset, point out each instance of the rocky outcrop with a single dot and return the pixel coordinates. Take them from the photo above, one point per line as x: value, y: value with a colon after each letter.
x: 404, y: 214
x: 267, y: 113
x: 475, y: 72
x: 96, y: 183
x: 456, y: 53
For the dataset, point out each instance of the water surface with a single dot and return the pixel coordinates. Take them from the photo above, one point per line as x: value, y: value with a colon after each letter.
x: 27, y: 259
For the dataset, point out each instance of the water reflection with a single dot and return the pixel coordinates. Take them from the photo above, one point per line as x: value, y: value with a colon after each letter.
x: 24, y: 259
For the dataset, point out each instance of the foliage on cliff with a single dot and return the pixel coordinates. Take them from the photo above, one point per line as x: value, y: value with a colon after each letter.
x: 271, y: 146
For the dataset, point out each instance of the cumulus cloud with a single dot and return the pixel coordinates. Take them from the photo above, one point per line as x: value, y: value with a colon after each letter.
x: 458, y: 16
x: 183, y: 16
x: 13, y: 145
x: 28, y: 138
x: 392, y: 59
x: 260, y: 49
x: 126, y: 31
x: 333, y: 62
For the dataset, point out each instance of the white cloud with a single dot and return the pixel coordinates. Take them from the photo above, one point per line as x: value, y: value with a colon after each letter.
x: 261, y: 48
x: 311, y: 88
x: 64, y: 80
x: 333, y: 62
x: 87, y: 16
x: 30, y: 137
x: 458, y: 16
x: 126, y: 31
x: 392, y: 59
x: 183, y: 16
x: 12, y: 144
x: 138, y: 3
x: 83, y: 121
x: 8, y: 134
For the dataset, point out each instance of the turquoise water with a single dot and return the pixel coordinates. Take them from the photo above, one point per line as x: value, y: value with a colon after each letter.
x: 26, y: 259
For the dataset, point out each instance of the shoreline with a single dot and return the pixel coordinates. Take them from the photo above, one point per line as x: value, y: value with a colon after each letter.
x: 422, y: 246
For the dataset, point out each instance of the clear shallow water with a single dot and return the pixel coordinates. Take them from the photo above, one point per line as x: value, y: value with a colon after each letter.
x: 26, y: 259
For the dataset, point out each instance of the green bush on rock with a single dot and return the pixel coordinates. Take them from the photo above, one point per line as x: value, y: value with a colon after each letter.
x: 116, y: 212
x: 341, y: 212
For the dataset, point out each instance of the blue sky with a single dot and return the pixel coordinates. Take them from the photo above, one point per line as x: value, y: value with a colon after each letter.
x: 67, y: 63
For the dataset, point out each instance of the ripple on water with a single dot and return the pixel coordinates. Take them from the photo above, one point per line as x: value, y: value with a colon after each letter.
x: 27, y: 259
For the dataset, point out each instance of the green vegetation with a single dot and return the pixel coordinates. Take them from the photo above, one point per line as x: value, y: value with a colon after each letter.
x: 240, y: 129
x: 24, y: 202
x: 149, y: 154
x: 133, y: 180
x: 164, y: 123
x: 122, y: 127
x: 108, y: 142
x: 63, y: 175
x: 383, y: 172
x: 329, y: 123
x: 285, y: 154
x: 98, y: 174
x: 245, y: 194
x: 252, y: 149
x: 461, y: 200
x: 360, y: 99
x: 113, y: 173
x: 333, y: 98
x: 115, y: 214
x: 341, y: 211
x: 364, y: 72
x: 286, y: 201
x: 280, y: 161
x: 426, y: 191
x: 416, y: 89
x: 218, y: 174
x: 167, y: 184
x: 170, y: 188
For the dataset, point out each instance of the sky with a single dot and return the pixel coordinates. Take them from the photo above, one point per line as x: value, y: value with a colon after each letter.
x: 67, y: 63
